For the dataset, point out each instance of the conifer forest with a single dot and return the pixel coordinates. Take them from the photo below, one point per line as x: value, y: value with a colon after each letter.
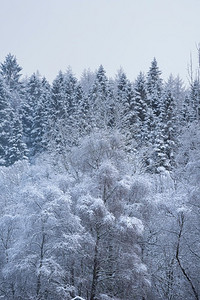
x: 99, y: 186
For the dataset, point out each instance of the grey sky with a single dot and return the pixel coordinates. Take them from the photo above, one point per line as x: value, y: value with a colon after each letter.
x: 50, y: 35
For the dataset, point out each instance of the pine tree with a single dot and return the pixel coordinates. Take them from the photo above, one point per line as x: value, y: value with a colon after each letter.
x: 64, y: 112
x: 17, y: 148
x: 12, y: 147
x: 98, y: 101
x: 171, y: 123
x: 154, y: 87
x: 140, y: 94
x: 83, y: 112
x: 178, y: 92
x: 187, y: 115
x: 70, y: 86
x: 154, y: 96
x: 57, y: 104
x: 127, y: 119
x: 111, y: 105
x: 32, y: 115
x: 87, y: 80
x: 57, y: 111
x: 73, y: 100
x: 190, y: 110
x: 5, y: 123
x: 10, y: 71
x: 44, y: 112
x: 86, y: 83
x: 153, y: 119
x: 165, y: 140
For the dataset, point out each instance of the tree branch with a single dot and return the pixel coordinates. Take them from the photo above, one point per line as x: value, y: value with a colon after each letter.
x: 181, y: 224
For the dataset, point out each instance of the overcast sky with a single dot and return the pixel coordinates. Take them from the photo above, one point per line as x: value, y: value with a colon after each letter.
x: 50, y: 35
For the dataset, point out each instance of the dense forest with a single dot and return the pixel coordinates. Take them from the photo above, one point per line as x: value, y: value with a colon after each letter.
x: 99, y: 186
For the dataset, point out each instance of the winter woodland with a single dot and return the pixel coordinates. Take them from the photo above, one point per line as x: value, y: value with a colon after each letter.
x: 99, y: 186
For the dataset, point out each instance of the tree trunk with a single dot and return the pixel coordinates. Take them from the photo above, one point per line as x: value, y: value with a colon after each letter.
x: 40, y: 266
x: 95, y: 270
x: 181, y: 223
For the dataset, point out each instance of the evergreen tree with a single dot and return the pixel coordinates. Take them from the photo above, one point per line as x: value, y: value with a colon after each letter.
x: 170, y: 124
x: 64, y: 112
x: 57, y: 114
x: 154, y: 93
x: 5, y: 124
x: 44, y: 112
x: 70, y: 88
x: 140, y: 91
x: 17, y: 148
x: 86, y: 83
x: 99, y: 110
x: 154, y: 87
x: 12, y: 147
x: 186, y: 114
x: 178, y: 92
x: 112, y: 107
x: 127, y: 119
x: 165, y: 140
x: 153, y: 119
x: 32, y: 115
x: 140, y: 94
x: 190, y: 110
x: 10, y: 71
x: 57, y: 104
x: 41, y: 116
x: 73, y: 100
x: 87, y: 80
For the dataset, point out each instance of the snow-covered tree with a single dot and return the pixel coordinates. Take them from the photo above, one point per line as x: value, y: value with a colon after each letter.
x: 154, y: 87
x: 17, y: 147
x: 127, y: 120
x: 65, y: 119
x: 100, y: 112
x: 32, y: 112
x: 10, y: 71
x: 5, y: 124
x: 12, y: 147
x: 114, y: 265
x: 39, y: 237
x: 140, y: 94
